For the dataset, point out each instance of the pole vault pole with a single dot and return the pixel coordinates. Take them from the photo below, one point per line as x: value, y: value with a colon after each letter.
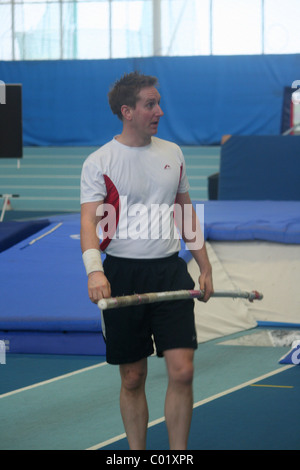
x: 149, y: 298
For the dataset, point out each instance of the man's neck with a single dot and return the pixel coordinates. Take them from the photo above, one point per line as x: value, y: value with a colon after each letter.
x: 133, y: 140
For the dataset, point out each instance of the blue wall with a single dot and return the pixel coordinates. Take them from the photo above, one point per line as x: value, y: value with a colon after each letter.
x: 65, y: 102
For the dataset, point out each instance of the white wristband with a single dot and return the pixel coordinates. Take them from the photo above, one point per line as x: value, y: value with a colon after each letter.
x: 92, y: 261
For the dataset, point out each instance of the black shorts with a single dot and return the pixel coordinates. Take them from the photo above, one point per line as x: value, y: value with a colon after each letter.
x: 129, y: 331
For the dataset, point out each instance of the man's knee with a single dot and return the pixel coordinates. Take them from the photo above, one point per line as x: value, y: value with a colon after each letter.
x: 133, y: 376
x: 181, y: 368
x: 183, y: 374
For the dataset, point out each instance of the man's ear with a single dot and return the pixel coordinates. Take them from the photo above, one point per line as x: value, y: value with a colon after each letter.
x: 126, y: 112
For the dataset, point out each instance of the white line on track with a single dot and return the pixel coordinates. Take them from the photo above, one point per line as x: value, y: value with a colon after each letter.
x: 55, y: 379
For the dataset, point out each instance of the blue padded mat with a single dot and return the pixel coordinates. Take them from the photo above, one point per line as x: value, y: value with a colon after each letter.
x: 44, y: 306
x: 275, y: 221
x: 12, y: 233
x: 62, y: 342
x: 260, y: 168
x: 49, y: 282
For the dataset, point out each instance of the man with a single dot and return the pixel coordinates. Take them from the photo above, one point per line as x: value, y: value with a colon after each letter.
x: 132, y: 174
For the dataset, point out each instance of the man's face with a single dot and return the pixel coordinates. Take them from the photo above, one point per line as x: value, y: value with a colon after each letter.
x: 147, y: 113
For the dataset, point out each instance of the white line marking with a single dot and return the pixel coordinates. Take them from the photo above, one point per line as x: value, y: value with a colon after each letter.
x: 55, y: 379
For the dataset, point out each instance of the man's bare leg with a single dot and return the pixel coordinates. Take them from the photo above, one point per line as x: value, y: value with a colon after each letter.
x: 133, y: 403
x: 179, y: 397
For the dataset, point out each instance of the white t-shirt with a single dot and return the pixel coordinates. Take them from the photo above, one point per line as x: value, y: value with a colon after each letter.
x: 138, y: 186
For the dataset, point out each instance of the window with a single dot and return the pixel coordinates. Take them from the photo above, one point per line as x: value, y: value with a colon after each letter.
x: 103, y: 29
x: 237, y: 27
x: 186, y: 27
x: 6, y: 36
x: 92, y: 32
x: 36, y: 30
x: 281, y: 26
x: 131, y: 28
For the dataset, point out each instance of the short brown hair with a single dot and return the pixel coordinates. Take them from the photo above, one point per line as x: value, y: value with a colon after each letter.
x: 126, y: 90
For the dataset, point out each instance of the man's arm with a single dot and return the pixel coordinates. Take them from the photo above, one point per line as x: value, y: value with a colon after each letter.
x: 192, y: 235
x: 98, y: 285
